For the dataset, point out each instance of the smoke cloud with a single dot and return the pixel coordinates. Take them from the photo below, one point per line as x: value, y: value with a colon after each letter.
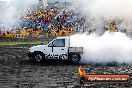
x: 106, y: 10
x: 110, y: 47
x: 13, y: 10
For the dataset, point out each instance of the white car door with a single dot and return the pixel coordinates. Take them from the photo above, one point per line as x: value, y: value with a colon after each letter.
x: 58, y: 49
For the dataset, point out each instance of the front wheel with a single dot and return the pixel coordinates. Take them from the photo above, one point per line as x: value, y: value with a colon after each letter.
x: 38, y: 57
x: 75, y: 58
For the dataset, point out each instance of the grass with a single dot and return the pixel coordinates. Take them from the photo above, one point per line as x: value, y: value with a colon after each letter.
x: 21, y: 43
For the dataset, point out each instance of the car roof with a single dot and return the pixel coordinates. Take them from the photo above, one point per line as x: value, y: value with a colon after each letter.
x: 63, y: 37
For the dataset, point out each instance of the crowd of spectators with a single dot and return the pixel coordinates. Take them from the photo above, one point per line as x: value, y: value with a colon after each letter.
x: 39, y: 19
x: 55, y: 21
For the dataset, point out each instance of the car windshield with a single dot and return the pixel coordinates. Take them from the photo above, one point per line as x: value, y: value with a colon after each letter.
x: 58, y: 43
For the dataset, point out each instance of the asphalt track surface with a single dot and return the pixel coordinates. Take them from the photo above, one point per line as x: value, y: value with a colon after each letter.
x: 17, y: 71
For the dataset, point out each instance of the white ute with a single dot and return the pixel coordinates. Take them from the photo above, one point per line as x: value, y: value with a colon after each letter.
x: 58, y: 48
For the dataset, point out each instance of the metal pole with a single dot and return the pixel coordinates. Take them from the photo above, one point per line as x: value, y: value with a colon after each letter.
x: 69, y: 37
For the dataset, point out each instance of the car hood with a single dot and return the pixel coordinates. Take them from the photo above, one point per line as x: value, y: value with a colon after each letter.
x: 37, y: 48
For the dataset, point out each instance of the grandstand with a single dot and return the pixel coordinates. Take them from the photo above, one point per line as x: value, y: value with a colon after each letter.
x: 53, y: 21
x: 50, y: 22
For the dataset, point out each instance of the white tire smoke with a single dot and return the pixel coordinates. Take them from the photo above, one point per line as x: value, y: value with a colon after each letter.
x: 110, y: 47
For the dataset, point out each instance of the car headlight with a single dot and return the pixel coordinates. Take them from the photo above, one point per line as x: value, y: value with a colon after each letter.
x: 28, y: 50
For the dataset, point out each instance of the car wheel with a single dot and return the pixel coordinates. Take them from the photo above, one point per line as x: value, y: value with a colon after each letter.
x: 38, y: 57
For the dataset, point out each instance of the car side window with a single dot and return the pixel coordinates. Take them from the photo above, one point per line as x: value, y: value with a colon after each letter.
x: 59, y: 43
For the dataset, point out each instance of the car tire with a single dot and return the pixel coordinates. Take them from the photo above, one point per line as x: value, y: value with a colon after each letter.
x: 38, y: 56
x: 75, y: 58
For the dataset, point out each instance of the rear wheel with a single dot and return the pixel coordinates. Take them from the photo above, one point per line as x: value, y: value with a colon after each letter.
x: 38, y: 56
x: 75, y: 58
